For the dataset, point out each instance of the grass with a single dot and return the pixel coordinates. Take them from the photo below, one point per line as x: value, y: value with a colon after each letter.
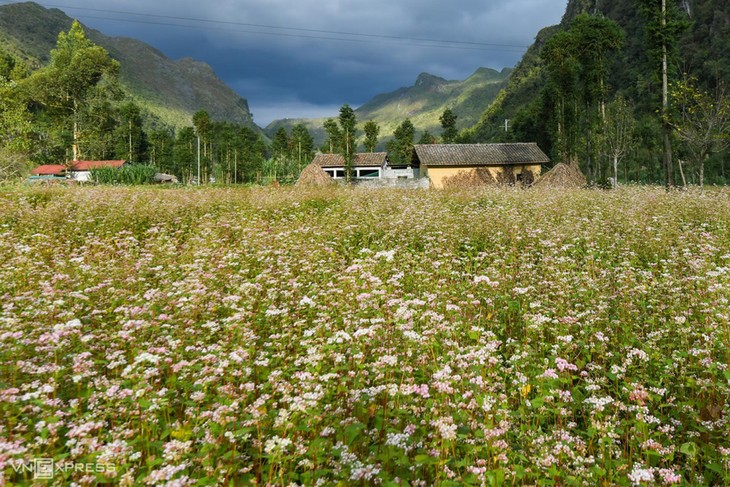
x: 223, y: 336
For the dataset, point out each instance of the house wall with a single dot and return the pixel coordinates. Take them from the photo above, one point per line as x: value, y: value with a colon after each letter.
x: 408, y: 173
x: 439, y: 174
x: 81, y: 175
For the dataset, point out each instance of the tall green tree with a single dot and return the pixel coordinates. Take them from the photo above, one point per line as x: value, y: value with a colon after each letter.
x: 372, y: 131
x: 302, y: 145
x: 427, y: 138
x: 131, y: 139
x: 185, y: 154
x: 400, y: 146
x: 78, y: 70
x: 448, y: 124
x: 280, y: 152
x: 16, y: 122
x: 703, y: 124
x: 348, y: 129
x: 334, y: 137
x: 618, y: 132
x: 664, y: 23
x: 16, y: 135
x: 577, y: 62
x: 161, y: 150
x: 202, y: 125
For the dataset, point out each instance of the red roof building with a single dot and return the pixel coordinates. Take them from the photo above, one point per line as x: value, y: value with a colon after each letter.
x: 89, y: 165
x: 49, y: 170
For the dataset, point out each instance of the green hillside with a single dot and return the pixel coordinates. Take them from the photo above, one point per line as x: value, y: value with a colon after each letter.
x: 423, y: 103
x: 703, y: 51
x: 171, y: 91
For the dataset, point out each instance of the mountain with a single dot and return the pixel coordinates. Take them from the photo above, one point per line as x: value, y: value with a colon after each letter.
x: 423, y: 103
x: 171, y: 91
x: 704, y: 51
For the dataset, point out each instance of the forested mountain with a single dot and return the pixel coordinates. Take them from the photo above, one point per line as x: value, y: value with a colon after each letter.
x: 699, y: 51
x: 171, y: 91
x: 423, y: 103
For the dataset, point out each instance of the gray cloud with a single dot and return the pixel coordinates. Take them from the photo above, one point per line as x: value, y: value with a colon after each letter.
x: 303, y: 68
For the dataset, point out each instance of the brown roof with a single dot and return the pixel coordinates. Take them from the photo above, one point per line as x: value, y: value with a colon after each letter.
x: 49, y: 170
x: 88, y: 165
x: 480, y: 154
x: 362, y: 159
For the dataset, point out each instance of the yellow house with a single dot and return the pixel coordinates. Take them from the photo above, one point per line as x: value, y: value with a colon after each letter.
x: 462, y: 165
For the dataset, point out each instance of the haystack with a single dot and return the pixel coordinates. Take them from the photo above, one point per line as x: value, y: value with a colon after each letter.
x: 562, y: 176
x: 469, y: 179
x: 314, y: 175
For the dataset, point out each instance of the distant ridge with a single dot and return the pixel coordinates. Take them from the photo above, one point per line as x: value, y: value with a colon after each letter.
x: 423, y: 103
x: 171, y: 91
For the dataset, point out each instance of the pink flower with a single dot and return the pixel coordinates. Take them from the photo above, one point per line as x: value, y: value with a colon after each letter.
x: 564, y: 365
x: 550, y: 374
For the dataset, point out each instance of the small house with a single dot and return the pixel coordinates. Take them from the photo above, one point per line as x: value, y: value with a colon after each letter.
x: 81, y: 170
x: 365, y: 165
x: 48, y: 172
x: 77, y: 170
x: 455, y: 165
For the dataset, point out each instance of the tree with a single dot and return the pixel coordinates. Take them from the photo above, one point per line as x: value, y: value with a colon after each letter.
x: 401, y: 145
x: 704, y: 122
x: 131, y: 139
x: 427, y: 138
x: 372, y: 130
x: 562, y: 72
x: 161, y: 146
x: 664, y: 24
x: 348, y: 129
x: 78, y: 70
x: 202, y: 127
x: 16, y: 123
x: 334, y: 137
x: 185, y: 154
x: 448, y: 124
x: 577, y: 62
x: 302, y: 145
x: 619, y: 128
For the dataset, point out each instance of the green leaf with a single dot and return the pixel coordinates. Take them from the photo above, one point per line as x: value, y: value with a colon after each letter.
x: 689, y: 449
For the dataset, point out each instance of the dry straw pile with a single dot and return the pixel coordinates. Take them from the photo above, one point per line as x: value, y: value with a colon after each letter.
x: 562, y: 176
x: 314, y: 175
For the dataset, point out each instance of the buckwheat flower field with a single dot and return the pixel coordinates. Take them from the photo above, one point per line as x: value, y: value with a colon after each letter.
x: 343, y: 337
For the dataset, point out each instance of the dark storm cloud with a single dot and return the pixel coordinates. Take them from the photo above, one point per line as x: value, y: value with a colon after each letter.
x: 293, y: 58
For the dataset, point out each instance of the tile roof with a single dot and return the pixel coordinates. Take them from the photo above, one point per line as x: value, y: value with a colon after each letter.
x: 49, y: 170
x: 88, y: 165
x: 362, y: 159
x: 480, y: 154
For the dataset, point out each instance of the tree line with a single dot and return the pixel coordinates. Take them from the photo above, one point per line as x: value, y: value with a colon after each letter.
x: 75, y: 109
x: 669, y: 126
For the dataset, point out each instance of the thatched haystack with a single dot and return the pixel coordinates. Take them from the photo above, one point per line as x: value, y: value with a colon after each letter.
x: 314, y: 175
x: 562, y: 176
x: 473, y: 178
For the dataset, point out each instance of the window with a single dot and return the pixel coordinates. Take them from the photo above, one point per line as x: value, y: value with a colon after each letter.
x: 336, y: 173
x: 368, y: 173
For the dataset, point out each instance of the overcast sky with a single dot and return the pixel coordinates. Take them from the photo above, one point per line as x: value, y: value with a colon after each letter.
x: 305, y: 58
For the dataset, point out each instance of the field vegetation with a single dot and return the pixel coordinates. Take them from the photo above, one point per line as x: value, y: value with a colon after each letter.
x: 226, y: 336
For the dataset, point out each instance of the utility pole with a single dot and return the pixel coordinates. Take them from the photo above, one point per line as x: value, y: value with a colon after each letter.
x: 198, y: 159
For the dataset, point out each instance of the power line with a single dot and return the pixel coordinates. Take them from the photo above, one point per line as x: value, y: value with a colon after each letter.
x: 304, y: 36
x: 354, y: 36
